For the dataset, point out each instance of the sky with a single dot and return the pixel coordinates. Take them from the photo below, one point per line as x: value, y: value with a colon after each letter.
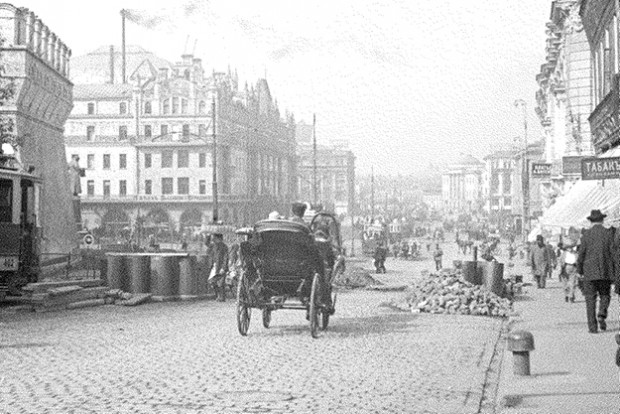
x: 411, y: 84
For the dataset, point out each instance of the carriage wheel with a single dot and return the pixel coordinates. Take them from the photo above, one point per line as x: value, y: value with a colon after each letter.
x: 243, y: 305
x: 266, y: 317
x: 315, y: 306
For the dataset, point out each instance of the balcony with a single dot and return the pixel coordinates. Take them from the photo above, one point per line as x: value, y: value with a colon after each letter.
x: 605, y: 122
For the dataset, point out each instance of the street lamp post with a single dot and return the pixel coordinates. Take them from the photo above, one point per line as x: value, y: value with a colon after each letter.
x: 525, y: 177
x: 214, y: 161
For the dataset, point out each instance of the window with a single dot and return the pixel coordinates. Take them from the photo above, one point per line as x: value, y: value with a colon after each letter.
x: 90, y: 161
x: 202, y: 130
x: 106, y: 188
x: 122, y: 133
x: 166, y: 106
x: 122, y: 108
x: 6, y: 200
x: 106, y: 161
x: 148, y: 187
x: 202, y: 107
x: 148, y: 131
x: 202, y: 160
x: 90, y: 132
x: 166, y: 185
x: 166, y: 159
x: 122, y: 161
x: 90, y: 188
x: 182, y: 159
x: 175, y: 105
x: 122, y: 187
x: 202, y: 187
x: 164, y: 130
x: 91, y: 108
x: 183, y: 185
x: 185, y: 132
x: 183, y: 106
x: 148, y: 160
x: 148, y: 108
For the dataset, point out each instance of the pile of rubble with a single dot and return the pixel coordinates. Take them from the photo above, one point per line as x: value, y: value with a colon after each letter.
x: 448, y: 293
x: 355, y: 277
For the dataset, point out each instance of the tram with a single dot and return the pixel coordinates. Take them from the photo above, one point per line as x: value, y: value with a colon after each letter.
x: 20, y: 229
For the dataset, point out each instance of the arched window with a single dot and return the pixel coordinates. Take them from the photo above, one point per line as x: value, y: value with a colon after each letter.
x: 147, y: 107
x: 202, y: 107
x: 166, y: 106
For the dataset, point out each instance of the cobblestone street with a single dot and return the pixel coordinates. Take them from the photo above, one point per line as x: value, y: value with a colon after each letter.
x: 187, y: 357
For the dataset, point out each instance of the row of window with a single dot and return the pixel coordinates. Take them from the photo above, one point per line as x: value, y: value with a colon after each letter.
x: 167, y: 187
x: 166, y: 160
x: 168, y: 106
x: 606, y: 61
x: 148, y: 131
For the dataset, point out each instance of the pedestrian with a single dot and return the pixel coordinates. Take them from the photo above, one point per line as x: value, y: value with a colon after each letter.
x: 438, y: 256
x: 553, y: 260
x: 380, y: 255
x: 568, y: 269
x: 539, y: 260
x: 595, y: 263
x: 219, y: 266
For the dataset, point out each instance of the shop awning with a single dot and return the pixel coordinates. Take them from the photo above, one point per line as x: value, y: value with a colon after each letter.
x: 574, y: 207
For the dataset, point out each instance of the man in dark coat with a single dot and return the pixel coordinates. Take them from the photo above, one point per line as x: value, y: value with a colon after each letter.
x: 595, y: 262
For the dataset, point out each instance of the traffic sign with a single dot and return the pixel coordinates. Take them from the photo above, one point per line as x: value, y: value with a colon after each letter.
x: 88, y: 239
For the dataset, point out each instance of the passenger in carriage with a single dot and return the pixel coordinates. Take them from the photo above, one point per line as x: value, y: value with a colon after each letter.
x: 298, y: 209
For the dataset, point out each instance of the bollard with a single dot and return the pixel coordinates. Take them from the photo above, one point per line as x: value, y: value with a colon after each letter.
x: 521, y: 343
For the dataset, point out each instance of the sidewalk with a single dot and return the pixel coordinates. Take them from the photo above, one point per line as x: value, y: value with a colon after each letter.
x: 572, y: 371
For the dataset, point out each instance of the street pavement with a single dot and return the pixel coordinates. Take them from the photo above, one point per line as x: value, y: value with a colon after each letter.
x: 187, y: 357
x: 572, y: 371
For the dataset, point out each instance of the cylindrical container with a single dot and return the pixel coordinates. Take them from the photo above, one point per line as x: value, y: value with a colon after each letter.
x: 188, y: 282
x: 521, y: 362
x: 164, y: 280
x: 139, y: 273
x: 116, y: 272
x: 202, y: 274
x: 470, y: 272
x: 494, y: 280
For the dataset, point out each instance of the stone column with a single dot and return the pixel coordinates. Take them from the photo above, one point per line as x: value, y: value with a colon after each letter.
x: 51, y: 50
x: 57, y: 54
x: 37, y: 36
x: 29, y: 29
x: 45, y: 32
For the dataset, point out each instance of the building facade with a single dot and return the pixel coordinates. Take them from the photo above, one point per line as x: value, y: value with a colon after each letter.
x: 498, y: 187
x: 564, y: 98
x: 148, y: 146
x: 36, y: 61
x: 461, y: 186
x: 335, y: 176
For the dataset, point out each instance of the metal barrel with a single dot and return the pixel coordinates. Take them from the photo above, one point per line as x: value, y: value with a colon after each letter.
x: 116, y: 275
x: 470, y: 272
x: 494, y: 278
x: 188, y: 283
x: 202, y: 274
x: 164, y: 280
x: 139, y: 267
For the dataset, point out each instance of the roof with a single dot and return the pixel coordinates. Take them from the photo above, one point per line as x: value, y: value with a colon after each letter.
x: 94, y: 67
x: 467, y: 159
x: 101, y: 91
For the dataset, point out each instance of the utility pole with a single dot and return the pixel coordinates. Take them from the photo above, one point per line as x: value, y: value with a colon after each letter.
x: 525, y: 177
x: 314, y: 182
x: 214, y: 161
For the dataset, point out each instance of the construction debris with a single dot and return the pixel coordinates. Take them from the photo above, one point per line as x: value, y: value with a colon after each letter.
x: 355, y: 277
x: 448, y: 293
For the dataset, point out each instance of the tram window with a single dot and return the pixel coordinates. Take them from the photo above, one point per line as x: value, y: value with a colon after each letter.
x: 6, y: 201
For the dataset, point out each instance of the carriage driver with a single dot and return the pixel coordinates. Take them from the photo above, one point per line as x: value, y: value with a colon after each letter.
x: 298, y: 209
x: 328, y: 260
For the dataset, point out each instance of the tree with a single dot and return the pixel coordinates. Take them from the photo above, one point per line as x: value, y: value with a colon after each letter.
x: 7, y: 91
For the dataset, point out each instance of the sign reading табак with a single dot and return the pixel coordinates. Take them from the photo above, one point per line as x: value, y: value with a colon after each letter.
x: 600, y: 168
x: 541, y: 169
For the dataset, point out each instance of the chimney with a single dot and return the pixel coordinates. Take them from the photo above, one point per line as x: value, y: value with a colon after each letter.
x: 111, y: 64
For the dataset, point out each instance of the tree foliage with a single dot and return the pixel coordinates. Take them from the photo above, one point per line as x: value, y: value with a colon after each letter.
x: 7, y: 91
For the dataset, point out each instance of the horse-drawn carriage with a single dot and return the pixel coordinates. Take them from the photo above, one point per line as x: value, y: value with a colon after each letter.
x: 289, y: 265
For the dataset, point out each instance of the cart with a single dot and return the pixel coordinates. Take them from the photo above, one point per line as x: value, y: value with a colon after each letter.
x: 289, y: 265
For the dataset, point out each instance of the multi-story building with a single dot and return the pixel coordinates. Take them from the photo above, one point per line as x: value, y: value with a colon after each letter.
x: 528, y: 187
x: 148, y: 145
x: 461, y: 186
x: 335, y: 176
x: 563, y: 99
x: 498, y: 187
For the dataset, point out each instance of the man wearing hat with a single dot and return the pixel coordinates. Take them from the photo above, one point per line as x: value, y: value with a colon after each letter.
x: 595, y: 262
x: 298, y: 209
x: 539, y: 261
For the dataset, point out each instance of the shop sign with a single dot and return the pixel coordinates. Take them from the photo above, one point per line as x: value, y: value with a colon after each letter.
x: 571, y: 165
x: 541, y: 170
x: 600, y: 168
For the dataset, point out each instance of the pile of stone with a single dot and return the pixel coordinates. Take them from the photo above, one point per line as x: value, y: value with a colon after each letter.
x: 448, y: 293
x: 355, y: 277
